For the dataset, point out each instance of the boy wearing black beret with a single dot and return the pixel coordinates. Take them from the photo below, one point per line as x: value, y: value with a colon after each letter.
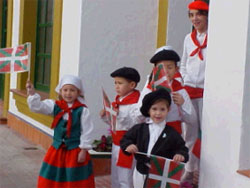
x: 182, y: 109
x: 125, y: 79
x: 153, y: 136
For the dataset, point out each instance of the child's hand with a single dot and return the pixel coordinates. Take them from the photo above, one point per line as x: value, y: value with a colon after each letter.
x: 196, y: 177
x: 132, y: 148
x: 178, y: 158
x: 177, y: 98
x: 81, y: 156
x: 30, y: 88
x: 102, y: 113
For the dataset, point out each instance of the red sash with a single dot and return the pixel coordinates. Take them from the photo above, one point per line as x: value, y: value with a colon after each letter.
x: 123, y: 160
x: 65, y: 109
x: 176, y: 125
x: 197, y: 43
x: 194, y: 93
x: 117, y: 136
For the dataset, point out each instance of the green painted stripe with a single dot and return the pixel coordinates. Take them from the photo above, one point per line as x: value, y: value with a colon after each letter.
x: 4, y: 64
x: 199, y: 134
x: 157, y: 74
x: 66, y: 174
x: 21, y: 51
x: 20, y: 64
x: 157, y: 185
x: 6, y: 54
x: 176, y: 170
x: 157, y: 165
x: 168, y: 185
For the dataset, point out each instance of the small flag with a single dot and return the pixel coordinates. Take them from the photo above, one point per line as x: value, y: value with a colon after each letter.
x: 197, y: 146
x: 110, y: 113
x: 159, y: 79
x: 163, y: 173
x: 16, y: 59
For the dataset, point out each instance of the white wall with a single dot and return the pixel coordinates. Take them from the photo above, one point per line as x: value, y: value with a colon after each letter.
x: 178, y: 24
x: 70, y: 39
x: 111, y: 34
x: 223, y: 97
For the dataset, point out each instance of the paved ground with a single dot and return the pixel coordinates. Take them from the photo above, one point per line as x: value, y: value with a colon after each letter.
x: 20, y: 162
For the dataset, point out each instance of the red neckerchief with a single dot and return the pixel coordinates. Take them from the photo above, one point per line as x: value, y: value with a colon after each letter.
x: 130, y: 99
x: 65, y: 109
x: 199, y: 47
x: 176, y: 84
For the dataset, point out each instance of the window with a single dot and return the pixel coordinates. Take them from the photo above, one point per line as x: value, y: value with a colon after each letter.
x: 3, y: 33
x: 43, y: 45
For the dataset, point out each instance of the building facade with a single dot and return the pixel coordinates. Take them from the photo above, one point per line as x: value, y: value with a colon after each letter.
x: 90, y: 39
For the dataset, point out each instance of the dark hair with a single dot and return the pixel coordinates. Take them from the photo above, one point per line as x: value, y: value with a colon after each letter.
x: 129, y: 81
x: 201, y: 12
x: 161, y: 99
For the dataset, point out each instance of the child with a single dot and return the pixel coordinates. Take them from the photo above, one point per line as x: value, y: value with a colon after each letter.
x: 181, y: 109
x: 192, y: 69
x: 126, y: 80
x: 153, y: 136
x: 67, y: 162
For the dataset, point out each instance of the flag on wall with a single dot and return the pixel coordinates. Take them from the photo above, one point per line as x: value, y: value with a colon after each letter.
x: 163, y: 173
x: 110, y: 113
x: 16, y: 59
x: 159, y: 79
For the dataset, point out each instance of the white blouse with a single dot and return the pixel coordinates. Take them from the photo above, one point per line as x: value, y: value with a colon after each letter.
x: 192, y: 68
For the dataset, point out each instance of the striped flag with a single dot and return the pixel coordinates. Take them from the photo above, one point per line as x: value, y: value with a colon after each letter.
x: 110, y: 113
x: 197, y: 146
x: 163, y: 173
x: 16, y: 59
x: 159, y: 79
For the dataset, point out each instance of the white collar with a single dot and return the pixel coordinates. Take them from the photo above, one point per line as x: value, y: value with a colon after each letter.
x: 150, y: 121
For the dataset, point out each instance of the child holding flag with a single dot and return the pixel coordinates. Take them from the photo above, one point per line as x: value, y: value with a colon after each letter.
x: 67, y: 163
x: 125, y: 105
x: 153, y: 136
x: 181, y: 109
x: 192, y: 69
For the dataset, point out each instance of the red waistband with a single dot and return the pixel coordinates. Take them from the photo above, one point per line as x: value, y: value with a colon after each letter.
x: 176, y: 125
x: 194, y: 92
x: 117, y: 136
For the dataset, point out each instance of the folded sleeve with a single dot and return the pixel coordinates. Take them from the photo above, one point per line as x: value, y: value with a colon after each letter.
x: 36, y: 105
x: 187, y: 109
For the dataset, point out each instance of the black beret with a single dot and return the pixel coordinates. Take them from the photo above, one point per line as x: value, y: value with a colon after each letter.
x: 150, y: 98
x: 128, y: 73
x: 165, y: 55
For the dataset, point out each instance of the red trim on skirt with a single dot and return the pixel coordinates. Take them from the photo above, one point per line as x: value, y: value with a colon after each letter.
x: 45, y: 183
x: 65, y: 158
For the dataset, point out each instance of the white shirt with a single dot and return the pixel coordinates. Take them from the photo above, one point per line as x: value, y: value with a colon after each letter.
x: 47, y: 106
x: 192, y: 68
x: 155, y: 131
x: 127, y: 117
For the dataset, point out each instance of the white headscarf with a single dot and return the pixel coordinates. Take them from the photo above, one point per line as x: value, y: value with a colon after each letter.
x: 73, y: 80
